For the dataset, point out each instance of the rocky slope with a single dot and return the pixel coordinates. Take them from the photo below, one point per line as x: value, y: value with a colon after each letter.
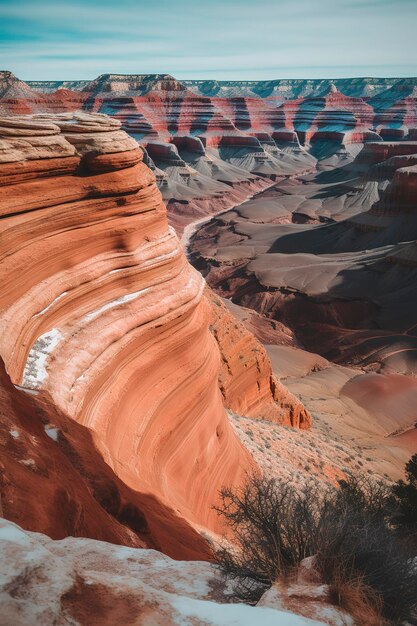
x: 104, y: 315
x: 331, y: 256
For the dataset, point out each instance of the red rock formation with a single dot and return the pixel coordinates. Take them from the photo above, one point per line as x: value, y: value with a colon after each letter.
x: 104, y: 313
x: 328, y: 116
x: 53, y: 480
x: 157, y: 109
x: 246, y: 379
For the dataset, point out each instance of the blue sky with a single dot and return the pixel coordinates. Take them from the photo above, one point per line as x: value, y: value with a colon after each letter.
x: 256, y: 39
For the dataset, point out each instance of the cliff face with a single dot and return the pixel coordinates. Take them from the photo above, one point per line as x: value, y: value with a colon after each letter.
x: 53, y: 480
x: 328, y: 116
x: 104, y: 313
x: 246, y: 380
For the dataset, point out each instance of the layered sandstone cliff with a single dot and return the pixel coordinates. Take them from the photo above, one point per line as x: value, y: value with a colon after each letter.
x: 246, y: 380
x: 104, y: 313
x: 53, y: 480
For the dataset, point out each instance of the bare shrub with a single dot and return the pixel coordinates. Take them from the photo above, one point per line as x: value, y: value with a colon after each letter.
x: 274, y: 529
x: 358, y: 553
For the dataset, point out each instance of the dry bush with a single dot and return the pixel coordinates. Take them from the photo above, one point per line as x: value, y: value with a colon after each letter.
x: 356, y: 598
x: 358, y: 553
x: 274, y: 529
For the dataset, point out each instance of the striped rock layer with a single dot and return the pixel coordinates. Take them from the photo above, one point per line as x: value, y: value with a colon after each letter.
x: 104, y: 316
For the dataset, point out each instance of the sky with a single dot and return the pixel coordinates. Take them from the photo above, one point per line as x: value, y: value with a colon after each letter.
x: 208, y: 39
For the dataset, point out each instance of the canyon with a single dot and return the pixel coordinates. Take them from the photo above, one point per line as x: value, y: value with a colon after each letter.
x: 204, y: 280
x: 211, y: 144
x: 111, y: 323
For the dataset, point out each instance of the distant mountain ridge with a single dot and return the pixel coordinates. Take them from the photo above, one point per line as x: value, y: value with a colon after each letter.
x: 364, y: 87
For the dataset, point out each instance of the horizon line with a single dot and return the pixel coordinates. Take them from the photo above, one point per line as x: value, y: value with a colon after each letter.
x: 222, y: 80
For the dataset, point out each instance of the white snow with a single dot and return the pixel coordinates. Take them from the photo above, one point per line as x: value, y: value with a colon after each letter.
x: 15, y: 434
x: 51, y: 304
x: 52, y: 432
x: 13, y: 534
x: 28, y: 463
x: 177, y: 593
x: 35, y: 372
x: 114, y: 303
x: 235, y: 614
x: 31, y: 392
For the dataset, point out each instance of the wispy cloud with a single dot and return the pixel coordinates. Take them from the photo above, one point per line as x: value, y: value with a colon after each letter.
x: 220, y: 38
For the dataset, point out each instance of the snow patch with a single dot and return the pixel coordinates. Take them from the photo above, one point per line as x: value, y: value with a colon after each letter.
x: 31, y: 392
x: 13, y: 534
x: 110, y: 305
x: 234, y: 614
x: 52, y: 432
x: 28, y: 463
x: 15, y: 434
x: 35, y: 372
x: 51, y: 304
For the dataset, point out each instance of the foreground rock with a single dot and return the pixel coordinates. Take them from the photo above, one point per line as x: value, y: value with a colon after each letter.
x: 80, y: 581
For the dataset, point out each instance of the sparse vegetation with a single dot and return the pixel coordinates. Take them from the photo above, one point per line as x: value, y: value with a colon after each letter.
x: 406, y: 494
x: 358, y: 552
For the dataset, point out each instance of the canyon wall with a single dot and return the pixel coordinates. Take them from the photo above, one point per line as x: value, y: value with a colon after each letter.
x: 331, y: 255
x: 213, y: 144
x: 104, y: 321
x: 103, y: 312
x: 246, y: 380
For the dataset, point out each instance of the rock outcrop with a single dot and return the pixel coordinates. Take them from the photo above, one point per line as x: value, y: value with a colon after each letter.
x: 80, y: 581
x: 246, y: 380
x: 104, y: 313
x: 53, y: 480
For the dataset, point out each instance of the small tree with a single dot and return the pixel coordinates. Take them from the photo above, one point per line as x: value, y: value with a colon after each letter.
x: 406, y: 494
x: 274, y: 528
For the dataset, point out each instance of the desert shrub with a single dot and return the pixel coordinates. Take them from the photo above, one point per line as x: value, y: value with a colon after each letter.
x: 359, y: 544
x: 356, y: 598
x: 358, y: 553
x: 274, y: 528
x: 406, y: 495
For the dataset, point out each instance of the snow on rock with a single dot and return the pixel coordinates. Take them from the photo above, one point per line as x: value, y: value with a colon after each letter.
x: 305, y: 596
x: 52, y: 432
x: 35, y: 371
x: 79, y: 581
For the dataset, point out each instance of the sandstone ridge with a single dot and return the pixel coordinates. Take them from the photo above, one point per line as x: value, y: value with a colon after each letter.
x: 105, y: 315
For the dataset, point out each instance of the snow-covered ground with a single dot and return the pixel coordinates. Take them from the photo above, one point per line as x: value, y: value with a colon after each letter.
x: 79, y: 581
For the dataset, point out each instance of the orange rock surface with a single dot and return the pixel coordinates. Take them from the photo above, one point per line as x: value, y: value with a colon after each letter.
x: 53, y: 480
x: 246, y: 379
x: 103, y: 312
